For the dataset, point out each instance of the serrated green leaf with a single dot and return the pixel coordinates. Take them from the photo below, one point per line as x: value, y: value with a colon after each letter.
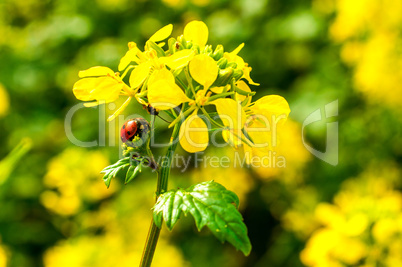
x: 133, y: 171
x: 112, y: 170
x: 130, y: 174
x: 211, y: 205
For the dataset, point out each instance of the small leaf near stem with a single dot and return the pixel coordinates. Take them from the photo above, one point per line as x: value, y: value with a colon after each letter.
x: 112, y: 170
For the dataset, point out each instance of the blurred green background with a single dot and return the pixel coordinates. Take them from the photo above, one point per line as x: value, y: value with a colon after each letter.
x: 55, y: 209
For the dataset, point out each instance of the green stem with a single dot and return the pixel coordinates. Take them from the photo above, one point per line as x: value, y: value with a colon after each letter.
x: 163, y: 177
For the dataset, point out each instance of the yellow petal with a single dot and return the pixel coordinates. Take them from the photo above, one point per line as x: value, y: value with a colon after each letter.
x: 162, y: 34
x: 217, y: 90
x: 246, y: 75
x: 271, y: 105
x: 204, y: 70
x: 130, y: 56
x: 196, y: 31
x: 164, y: 95
x: 162, y: 74
x: 139, y: 74
x: 237, y: 50
x: 243, y: 86
x: 230, y: 112
x: 193, y: 134
x: 261, y: 133
x: 93, y: 104
x: 178, y: 59
x: 101, y: 88
x: 96, y: 71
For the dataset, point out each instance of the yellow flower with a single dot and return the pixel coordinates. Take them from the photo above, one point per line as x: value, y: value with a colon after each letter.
x: 100, y: 84
x: 103, y: 85
x: 194, y: 132
x: 188, y: 74
x: 262, y: 114
x: 263, y: 119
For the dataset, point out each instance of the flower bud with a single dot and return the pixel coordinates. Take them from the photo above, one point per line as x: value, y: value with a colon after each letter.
x: 224, y: 76
x: 218, y: 53
x: 208, y: 49
x: 222, y: 63
x: 172, y: 45
x: 237, y: 74
x: 182, y: 40
x: 159, y: 51
x: 232, y: 65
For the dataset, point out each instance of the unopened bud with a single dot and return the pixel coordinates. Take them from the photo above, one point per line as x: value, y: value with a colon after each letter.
x: 232, y: 65
x: 218, y: 53
x: 152, y: 46
x: 222, y: 63
x: 237, y: 74
x: 224, y: 76
x: 172, y: 45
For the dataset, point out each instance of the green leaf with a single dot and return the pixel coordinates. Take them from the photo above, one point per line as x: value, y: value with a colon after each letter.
x: 112, y: 170
x: 133, y: 171
x: 211, y: 205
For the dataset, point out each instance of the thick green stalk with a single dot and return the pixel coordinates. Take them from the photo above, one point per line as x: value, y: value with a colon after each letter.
x: 163, y: 177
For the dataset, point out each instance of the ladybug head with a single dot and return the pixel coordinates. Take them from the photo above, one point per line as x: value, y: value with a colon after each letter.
x: 135, y: 132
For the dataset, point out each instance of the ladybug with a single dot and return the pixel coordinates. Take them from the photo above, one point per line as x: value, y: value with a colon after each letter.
x: 135, y: 132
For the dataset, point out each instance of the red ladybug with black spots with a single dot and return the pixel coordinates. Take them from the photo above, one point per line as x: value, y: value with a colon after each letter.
x: 135, y: 132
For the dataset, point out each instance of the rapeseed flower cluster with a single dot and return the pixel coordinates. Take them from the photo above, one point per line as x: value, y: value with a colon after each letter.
x: 369, y: 31
x: 363, y: 226
x: 69, y: 186
x: 190, y: 74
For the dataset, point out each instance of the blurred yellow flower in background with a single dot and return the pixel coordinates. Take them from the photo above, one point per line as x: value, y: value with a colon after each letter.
x: 369, y: 31
x: 3, y: 257
x: 72, y: 179
x: 113, y: 234
x: 300, y: 218
x: 287, y: 158
x: 109, y: 250
x: 363, y: 226
x: 4, y: 101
